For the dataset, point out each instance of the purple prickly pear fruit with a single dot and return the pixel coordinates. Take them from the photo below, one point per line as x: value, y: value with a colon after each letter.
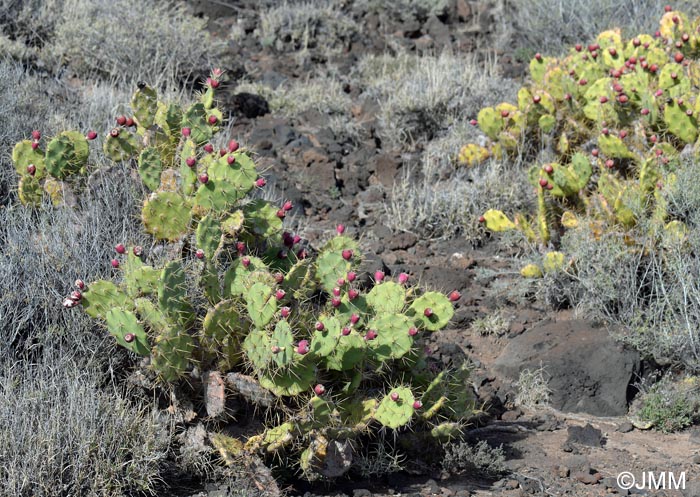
x: 351, y: 275
x: 623, y: 99
x: 302, y: 254
x: 120, y: 248
x: 538, y: 57
x: 578, y: 47
x: 644, y: 112
x: 186, y: 132
x: 138, y: 250
x: 208, y: 148
x: 543, y: 183
x: 623, y: 134
x: 279, y: 277
x: 279, y: 294
x: 354, y: 318
x: 548, y: 169
x: 303, y: 347
x: 370, y: 335
x: 612, y: 51
x: 115, y: 263
x: 412, y: 331
x: 473, y: 122
x: 36, y: 134
x: 129, y: 122
x: 76, y: 295
x: 609, y: 163
x: 213, y: 120
x: 335, y: 302
x: 319, y: 326
x: 275, y: 349
x: 454, y: 296
x: 403, y: 278
x: 340, y: 229
x: 260, y: 182
x: 199, y: 254
x: 121, y: 120
x: 91, y: 135
x: 595, y: 152
x: 68, y: 303
x: 129, y: 337
x: 191, y: 161
x: 319, y: 389
x: 428, y: 312
x: 114, y: 133
x: 233, y: 146
x: 281, y: 213
x: 230, y: 159
x: 204, y: 178
x: 336, y: 292
x: 284, y: 312
x: 296, y: 239
x: 345, y: 331
x: 352, y: 294
x: 341, y: 282
x: 537, y: 99
x: 80, y: 284
x: 35, y: 145
x: 378, y: 276
x: 245, y: 261
x: 213, y: 83
x: 287, y: 206
x: 603, y: 99
x: 482, y: 219
x: 347, y: 255
x: 394, y: 396
x: 31, y: 169
x: 417, y: 404
x: 240, y: 247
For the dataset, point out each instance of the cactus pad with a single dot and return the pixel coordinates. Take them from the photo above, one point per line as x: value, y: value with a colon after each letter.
x: 441, y: 307
x: 172, y: 294
x: 387, y: 298
x: 393, y: 340
x: 23, y: 154
x: 349, y: 352
x: 208, y: 236
x: 396, y: 413
x: 283, y: 338
x: 67, y: 154
x: 120, y: 323
x: 261, y: 304
x: 150, y: 167
x: 144, y: 103
x: 123, y: 147
x: 166, y: 215
x: 102, y: 296
x: 171, y: 354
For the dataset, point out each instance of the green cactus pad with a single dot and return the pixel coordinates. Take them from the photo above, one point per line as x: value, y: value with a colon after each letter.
x: 123, y: 147
x: 23, y: 154
x: 58, y: 191
x: 171, y: 354
x: 387, y: 298
x: 283, y: 337
x: 299, y: 280
x: 446, y: 431
x: 67, y: 154
x: 172, y: 294
x: 30, y: 191
x: 144, y: 103
x: 261, y: 304
x: 187, y: 173
x: 531, y: 271
x: 393, y: 340
x: 497, y: 221
x: 166, y: 215
x: 101, y: 296
x: 614, y: 147
x: 195, y: 118
x: 490, y: 122
x: 356, y: 306
x: 139, y: 278
x: 223, y: 329
x: 348, y: 353
x: 151, y: 315
x: 679, y: 123
x: 442, y: 311
x: 207, y: 98
x: 257, y: 347
x: 228, y: 183
x: 330, y: 266
x: 233, y: 224
x: 358, y: 413
x: 294, y: 380
x: 169, y: 118
x: 208, y: 236
x: 553, y: 262
x: 260, y: 219
x: 150, y: 167
x: 396, y: 413
x: 238, y: 279
x: 273, y: 439
x: 120, y: 323
x: 324, y: 342
x: 210, y: 284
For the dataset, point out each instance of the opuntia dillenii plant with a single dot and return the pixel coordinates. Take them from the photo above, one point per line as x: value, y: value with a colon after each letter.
x: 616, y: 117
x: 344, y: 360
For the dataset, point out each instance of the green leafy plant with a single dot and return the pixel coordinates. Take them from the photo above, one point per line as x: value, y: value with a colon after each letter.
x: 330, y: 361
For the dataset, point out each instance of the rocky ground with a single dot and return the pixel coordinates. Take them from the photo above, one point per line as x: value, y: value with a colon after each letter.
x: 575, y: 447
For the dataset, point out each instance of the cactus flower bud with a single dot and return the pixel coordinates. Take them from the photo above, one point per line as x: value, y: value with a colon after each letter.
x: 279, y: 277
x: 80, y: 284
x: 69, y: 303
x: 76, y: 295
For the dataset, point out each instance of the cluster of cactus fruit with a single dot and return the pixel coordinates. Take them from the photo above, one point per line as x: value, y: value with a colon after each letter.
x: 244, y: 296
x: 617, y: 115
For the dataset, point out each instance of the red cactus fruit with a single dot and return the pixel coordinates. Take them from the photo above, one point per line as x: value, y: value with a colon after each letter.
x: 80, y: 284
x: 505, y: 114
x: 186, y: 132
x: 347, y: 255
x: 319, y: 326
x: 76, y: 295
x: 537, y: 99
x: 678, y: 57
x: 114, y: 133
x: 121, y: 120
x: 120, y: 248
x: 245, y: 261
x: 603, y: 99
x: 91, y: 135
x: 352, y: 294
x: 394, y: 396
x: 482, y: 219
x: 230, y: 159
x: 341, y: 282
x: 335, y: 302
x: 204, y: 178
x: 191, y: 161
x: 336, y: 292
x: 303, y: 347
x: 548, y: 168
x: 213, y: 119
x: 370, y: 335
x: 302, y: 254
x: 129, y: 337
x: 354, y: 318
x: 595, y: 152
x: 208, y: 148
x: 233, y: 146
x: 473, y: 122
x: 31, y: 169
x: 417, y: 404
x: 36, y: 134
x: 379, y: 276
x: 403, y: 278
x: 284, y: 312
x: 129, y: 122
x: 623, y: 134
x: 287, y: 206
x: 260, y: 182
x: 454, y: 296
x: 275, y: 349
x: 609, y: 163
x: 199, y: 254
x: 319, y: 389
x: 578, y: 47
x: 644, y: 112
x: 279, y: 294
x: 137, y: 250
x: 538, y: 57
x: 115, y: 263
x: 543, y: 183
x: 428, y: 312
x: 352, y: 275
x: 412, y: 331
x: 345, y: 331
x: 281, y: 213
x: 340, y: 229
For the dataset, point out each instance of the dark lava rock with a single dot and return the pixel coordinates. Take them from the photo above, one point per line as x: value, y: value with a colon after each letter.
x: 585, y: 435
x: 588, y: 370
x: 249, y: 105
